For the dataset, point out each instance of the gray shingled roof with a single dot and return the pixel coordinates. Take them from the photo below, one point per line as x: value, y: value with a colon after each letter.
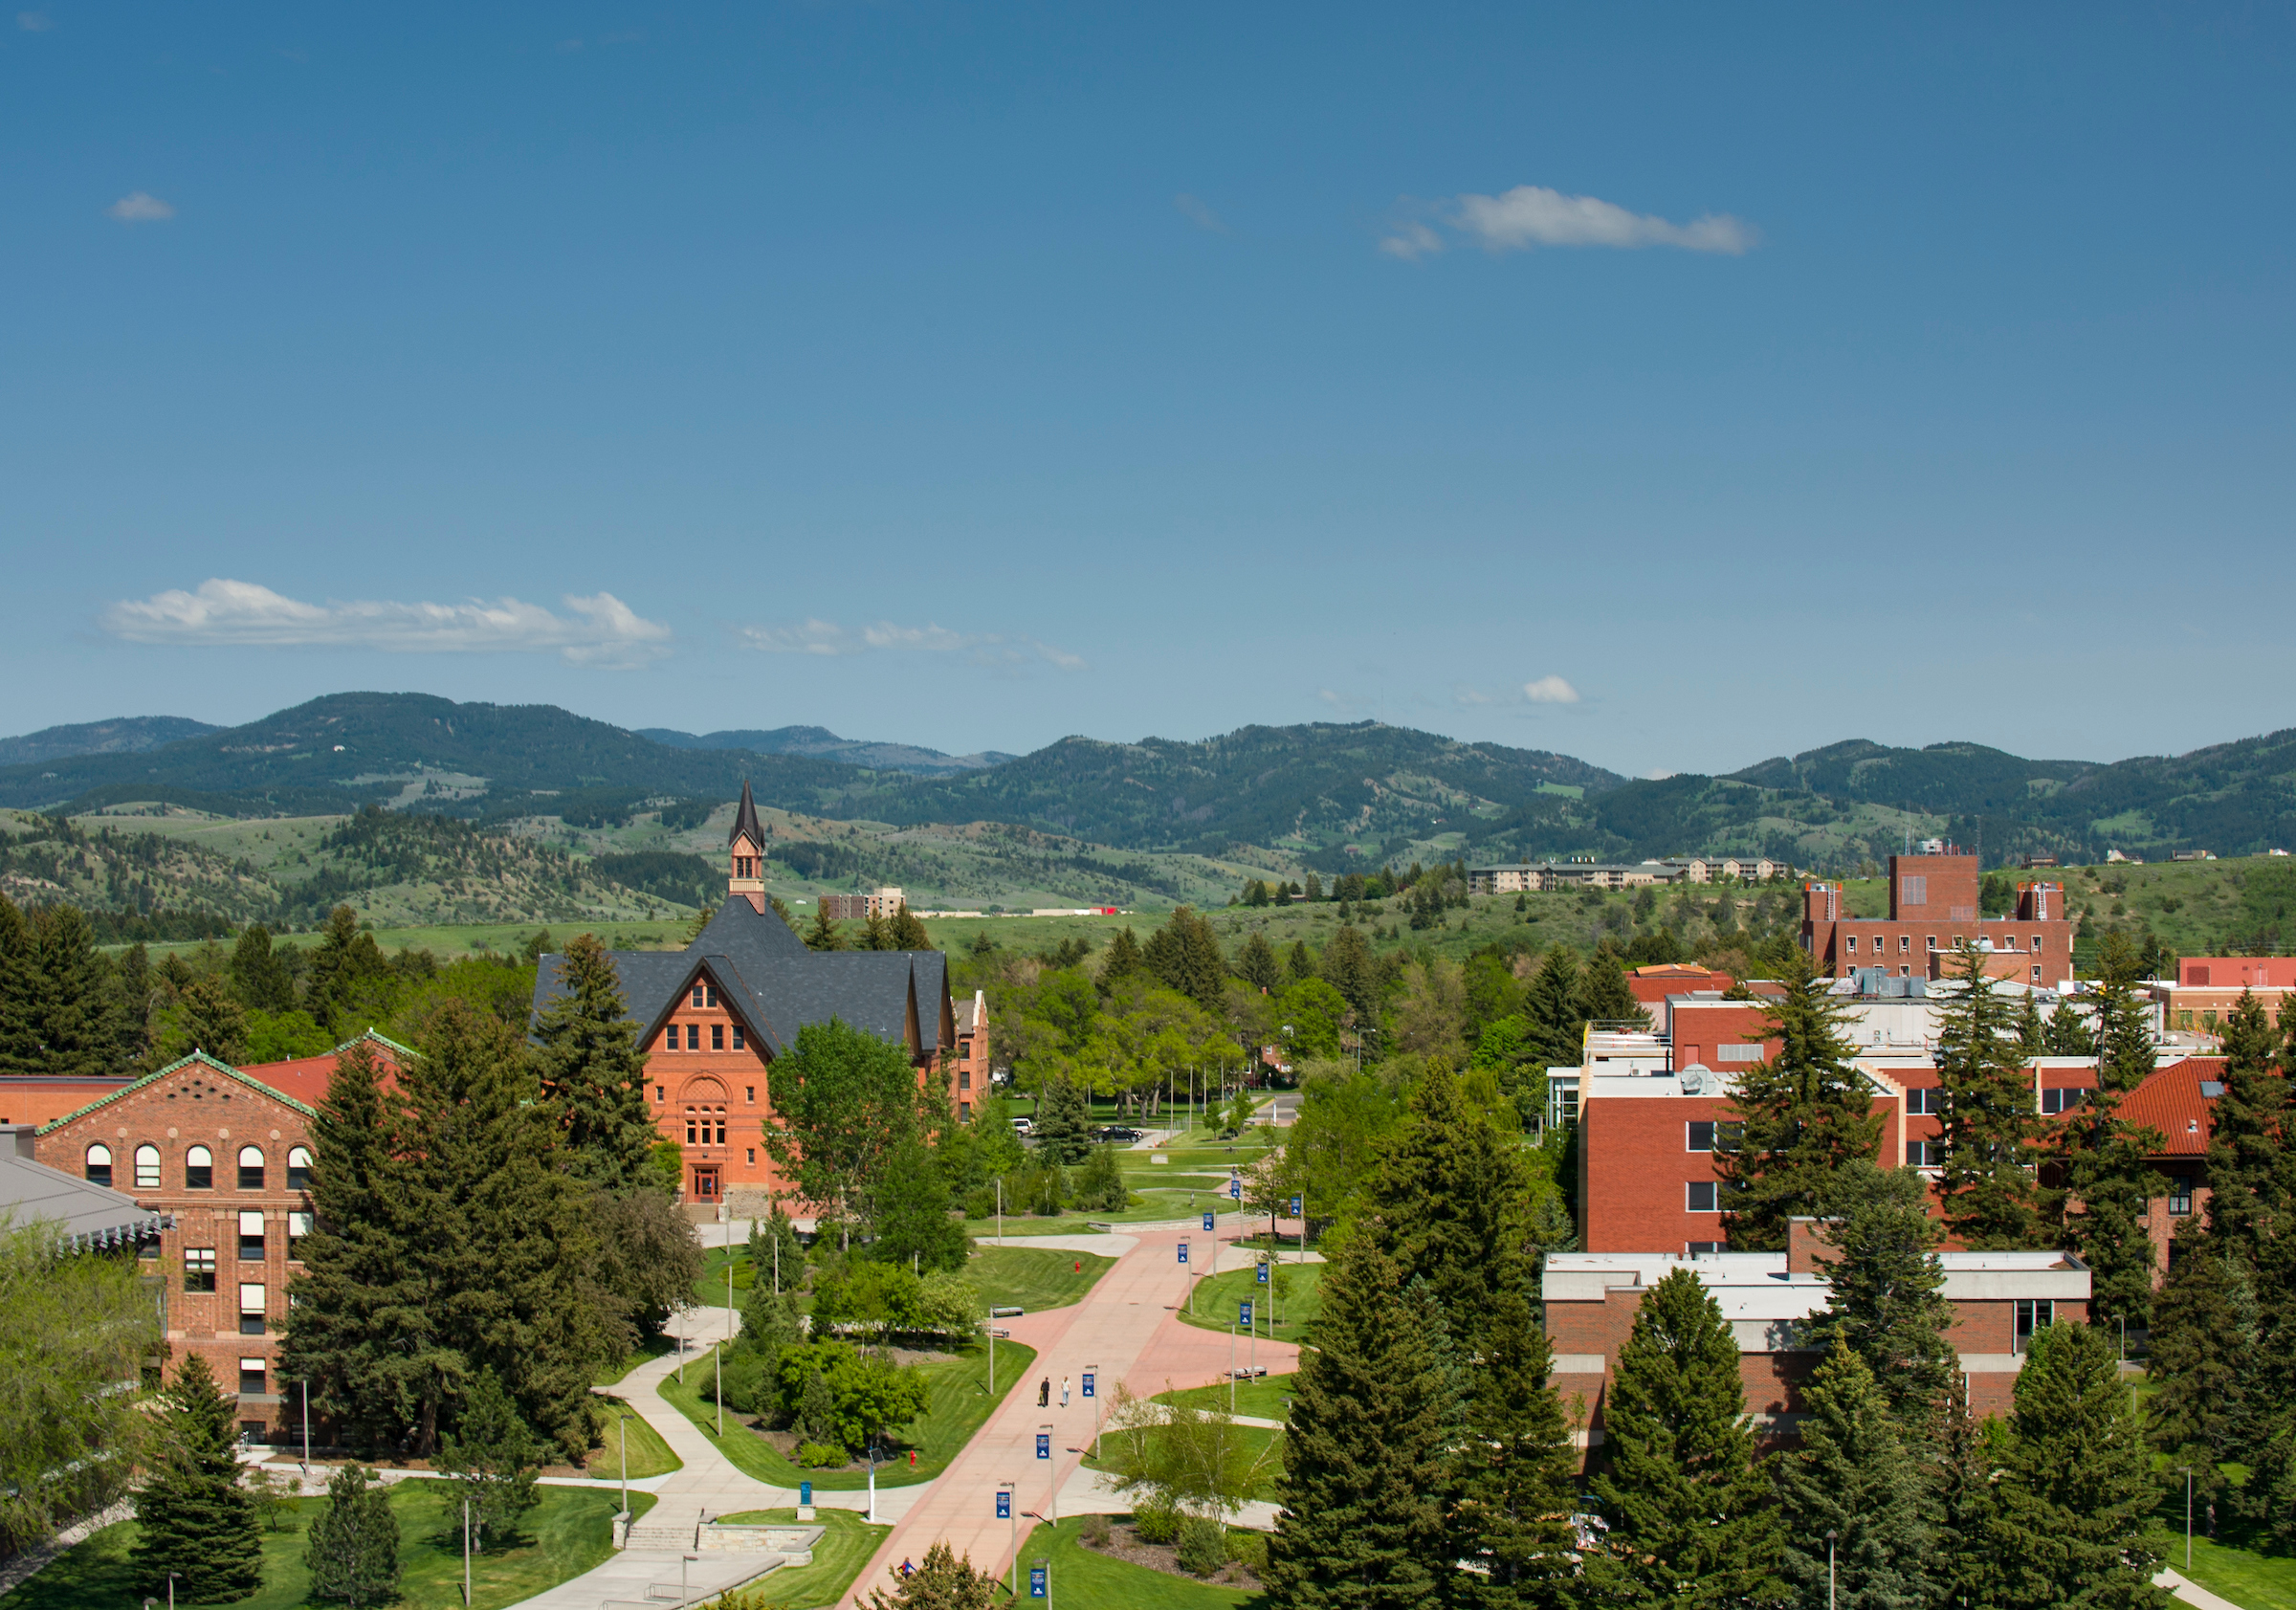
x: 90, y: 1216
x: 776, y: 984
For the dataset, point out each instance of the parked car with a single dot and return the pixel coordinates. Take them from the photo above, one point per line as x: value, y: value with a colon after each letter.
x: 1024, y: 1125
x: 1120, y: 1132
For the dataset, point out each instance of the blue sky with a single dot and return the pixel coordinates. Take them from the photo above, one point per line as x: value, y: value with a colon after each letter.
x: 1667, y: 385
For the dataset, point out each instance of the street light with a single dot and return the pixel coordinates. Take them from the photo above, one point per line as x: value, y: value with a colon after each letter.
x: 1829, y: 1570
x: 623, y: 1517
x: 2188, y: 1515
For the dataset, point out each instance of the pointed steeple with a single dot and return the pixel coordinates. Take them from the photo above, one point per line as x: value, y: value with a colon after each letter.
x: 747, y: 845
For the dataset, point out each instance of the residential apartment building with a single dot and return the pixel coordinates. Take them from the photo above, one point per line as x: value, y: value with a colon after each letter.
x: 1713, y: 869
x: 1548, y: 876
x: 1933, y: 914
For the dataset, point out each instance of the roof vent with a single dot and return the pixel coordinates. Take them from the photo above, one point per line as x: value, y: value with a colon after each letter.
x: 2191, y: 1126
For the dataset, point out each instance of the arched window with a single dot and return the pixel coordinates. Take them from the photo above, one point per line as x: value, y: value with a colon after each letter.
x: 298, y: 1168
x: 147, y: 1168
x: 198, y: 1169
x: 99, y: 1165
x: 251, y: 1168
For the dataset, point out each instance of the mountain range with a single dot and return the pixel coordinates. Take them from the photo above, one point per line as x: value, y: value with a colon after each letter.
x: 1321, y: 796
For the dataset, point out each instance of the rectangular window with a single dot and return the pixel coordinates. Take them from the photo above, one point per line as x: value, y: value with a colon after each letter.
x: 1702, y: 1137
x: 964, y: 1078
x: 670, y: 1038
x: 2036, y: 975
x: 2063, y: 1100
x: 750, y: 1093
x: 250, y: 1310
x: 692, y: 1037
x: 1729, y: 1136
x: 965, y: 1112
x: 660, y: 1091
x: 1926, y: 1101
x: 1932, y: 942
x: 2032, y: 1313
x: 1925, y: 1154
x: 1704, y: 1248
x: 251, y: 1238
x: 1905, y: 944
x: 1852, y: 943
x: 254, y: 1373
x: 199, y: 1269
x: 298, y: 1226
x: 717, y: 1037
x: 741, y: 1038
x: 698, y: 995
x: 2181, y: 1195
x: 1699, y: 1197
x: 753, y: 1157
x: 1913, y: 891
x: 709, y: 995
x: 147, y: 1168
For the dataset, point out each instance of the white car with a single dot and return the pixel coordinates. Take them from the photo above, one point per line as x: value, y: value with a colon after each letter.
x: 1024, y: 1125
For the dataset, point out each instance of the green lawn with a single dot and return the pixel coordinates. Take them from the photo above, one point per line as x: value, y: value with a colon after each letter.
x: 569, y: 1533
x: 2252, y: 1581
x: 1032, y: 1278
x: 1260, y: 1399
x: 960, y: 1405
x: 652, y: 1348
x: 649, y: 1454
x: 844, y: 1549
x: 1082, y: 1579
x: 1216, y: 1299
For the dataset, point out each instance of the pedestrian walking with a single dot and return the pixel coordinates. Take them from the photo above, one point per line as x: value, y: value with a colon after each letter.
x: 1044, y: 1393
x: 1064, y: 1392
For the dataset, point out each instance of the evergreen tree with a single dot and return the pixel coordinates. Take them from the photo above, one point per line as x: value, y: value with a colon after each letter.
x: 1100, y: 1183
x: 1349, y: 967
x: 20, y: 1048
x: 1885, y: 1293
x: 823, y: 934
x: 2072, y: 1508
x: 913, y: 1222
x: 76, y: 1014
x: 1453, y: 1194
x: 344, y: 965
x: 1257, y: 966
x: 1362, y: 1523
x: 206, y: 1018
x: 1689, y: 1511
x: 1551, y: 1008
x: 1185, y: 953
x: 2108, y: 1184
x: 1123, y: 957
x: 1602, y: 993
x: 944, y: 1581
x: 777, y: 1258
x: 1313, y: 892
x: 490, y: 1461
x: 1515, y: 1476
x: 1299, y: 966
x: 592, y: 1073
x: 2068, y: 1033
x: 353, y: 1550
x: 1990, y: 1197
x: 876, y: 934
x: 2245, y: 1153
x: 909, y: 931
x: 1853, y: 1479
x: 1969, y: 1453
x: 2032, y: 1034
x: 1804, y: 1114
x: 2199, y: 1347
x: 259, y: 976
x: 194, y: 1520
x: 1064, y: 1122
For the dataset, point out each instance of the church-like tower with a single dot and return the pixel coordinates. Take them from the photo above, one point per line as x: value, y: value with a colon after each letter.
x: 746, y: 848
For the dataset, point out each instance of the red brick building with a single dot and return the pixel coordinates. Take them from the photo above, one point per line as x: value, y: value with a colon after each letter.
x: 1932, y: 913
x: 224, y: 1153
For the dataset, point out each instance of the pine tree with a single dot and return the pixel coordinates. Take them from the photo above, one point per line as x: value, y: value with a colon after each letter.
x: 490, y: 1461
x: 1991, y: 1198
x: 876, y: 934
x: 2032, y: 1034
x: 1853, y: 1479
x: 1689, y: 1511
x: 1805, y: 1113
x: 20, y: 1048
x: 1063, y: 1123
x: 913, y: 1222
x: 823, y: 934
x: 1299, y: 966
x: 1602, y: 993
x: 1185, y: 953
x: 1454, y: 1195
x: 1551, y: 1008
x: 353, y: 1550
x: 2199, y: 1349
x: 260, y: 977
x: 1515, y: 1474
x: 1257, y: 965
x: 76, y: 1014
x: 2072, y: 1508
x: 344, y: 965
x: 1123, y: 957
x: 2245, y: 1153
x: 1885, y: 1293
x: 1349, y: 967
x: 592, y: 1073
x: 1968, y: 1454
x: 943, y: 1581
x: 195, y: 1522
x: 777, y: 1258
x: 909, y: 931
x: 2107, y: 1182
x: 1365, y: 1459
x: 206, y: 1018
x: 2068, y: 1033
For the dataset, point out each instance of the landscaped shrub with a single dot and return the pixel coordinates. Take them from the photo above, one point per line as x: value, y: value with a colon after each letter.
x: 1156, y: 1519
x: 1248, y: 1549
x: 820, y: 1456
x: 1099, y: 1184
x: 1096, y: 1531
x: 1202, y: 1546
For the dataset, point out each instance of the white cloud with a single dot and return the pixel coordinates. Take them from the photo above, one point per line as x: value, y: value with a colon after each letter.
x: 596, y: 630
x: 1532, y: 215
x: 1196, y: 212
x: 995, y: 650
x: 140, y: 207
x: 35, y: 22
x: 1550, y: 690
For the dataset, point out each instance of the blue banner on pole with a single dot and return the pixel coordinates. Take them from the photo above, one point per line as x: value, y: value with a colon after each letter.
x: 1235, y: 1190
x: 1295, y: 1207
x: 1038, y: 1580
x: 804, y: 1492
x: 1087, y: 1383
x: 1261, y: 1273
x: 1003, y: 1504
x: 1207, y: 1221
x: 1184, y: 1251
x: 1244, y: 1313
x: 1044, y: 1445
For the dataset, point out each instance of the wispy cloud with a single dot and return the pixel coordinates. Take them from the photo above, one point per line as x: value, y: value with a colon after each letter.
x: 1550, y: 690
x: 140, y: 207
x: 1196, y: 212
x: 35, y: 22
x: 1532, y: 215
x: 596, y: 630
x: 995, y: 650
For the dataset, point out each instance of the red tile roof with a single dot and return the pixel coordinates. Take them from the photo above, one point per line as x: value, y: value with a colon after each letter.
x: 305, y: 1077
x: 2170, y: 1101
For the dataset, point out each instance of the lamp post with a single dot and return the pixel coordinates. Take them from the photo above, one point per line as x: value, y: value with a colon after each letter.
x: 1004, y: 1512
x: 1829, y: 1570
x: 172, y: 1577
x: 872, y: 1478
x: 306, y: 1426
x: 625, y: 1515
x: 466, y: 1554
x: 1043, y: 1452
x: 2188, y: 1515
x: 684, y: 1598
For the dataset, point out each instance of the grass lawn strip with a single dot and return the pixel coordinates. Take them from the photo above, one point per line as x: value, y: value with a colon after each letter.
x: 844, y: 1550
x: 2252, y: 1581
x: 958, y: 1408
x: 569, y: 1532
x: 652, y: 1348
x: 1216, y: 1299
x: 649, y: 1454
x: 1267, y: 1399
x: 1032, y: 1278
x: 1085, y: 1580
